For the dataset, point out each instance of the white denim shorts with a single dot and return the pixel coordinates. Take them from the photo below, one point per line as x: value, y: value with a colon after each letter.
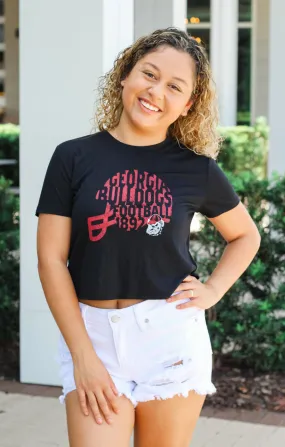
x: 140, y: 345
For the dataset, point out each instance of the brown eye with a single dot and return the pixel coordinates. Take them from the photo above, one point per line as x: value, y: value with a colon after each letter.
x: 150, y: 75
x: 175, y: 87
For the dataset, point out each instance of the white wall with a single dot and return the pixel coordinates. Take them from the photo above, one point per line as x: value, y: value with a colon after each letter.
x: 63, y: 50
x: 11, y: 61
x: 260, y: 60
x: 224, y: 55
x: 276, y: 86
x: 154, y: 14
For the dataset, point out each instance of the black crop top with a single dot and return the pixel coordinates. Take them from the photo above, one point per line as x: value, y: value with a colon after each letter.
x: 131, y: 209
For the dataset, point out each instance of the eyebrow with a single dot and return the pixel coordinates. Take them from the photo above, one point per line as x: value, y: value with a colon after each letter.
x: 156, y: 68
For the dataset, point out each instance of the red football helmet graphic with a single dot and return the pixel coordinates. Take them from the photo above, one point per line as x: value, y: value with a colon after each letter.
x: 133, y: 200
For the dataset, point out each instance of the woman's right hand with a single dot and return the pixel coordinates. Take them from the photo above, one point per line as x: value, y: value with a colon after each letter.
x: 94, y: 383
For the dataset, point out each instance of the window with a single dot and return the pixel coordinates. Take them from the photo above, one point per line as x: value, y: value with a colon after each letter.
x: 244, y: 62
x: 202, y: 36
x: 2, y: 56
x: 244, y: 76
x: 244, y: 13
x: 198, y: 9
x: 198, y: 21
x: 1, y: 60
x: 1, y: 33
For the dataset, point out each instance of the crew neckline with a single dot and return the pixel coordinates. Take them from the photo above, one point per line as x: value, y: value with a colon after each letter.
x: 151, y: 147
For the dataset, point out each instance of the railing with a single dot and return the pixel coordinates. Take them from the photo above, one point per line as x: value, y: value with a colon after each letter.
x: 6, y: 162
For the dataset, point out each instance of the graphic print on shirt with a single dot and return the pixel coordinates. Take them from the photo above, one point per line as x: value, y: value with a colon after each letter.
x: 133, y: 199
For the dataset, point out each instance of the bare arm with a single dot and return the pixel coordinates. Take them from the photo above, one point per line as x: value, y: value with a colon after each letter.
x: 243, y: 240
x: 53, y: 240
x: 91, y: 377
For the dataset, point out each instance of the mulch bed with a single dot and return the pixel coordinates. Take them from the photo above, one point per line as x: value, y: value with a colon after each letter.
x: 244, y: 389
x: 236, y: 388
x: 10, y: 361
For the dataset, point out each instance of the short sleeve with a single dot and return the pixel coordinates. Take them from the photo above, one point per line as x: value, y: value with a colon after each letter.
x: 56, y: 194
x: 220, y: 195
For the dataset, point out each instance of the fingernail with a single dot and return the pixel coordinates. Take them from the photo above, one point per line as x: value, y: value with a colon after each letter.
x: 99, y: 421
x: 110, y: 421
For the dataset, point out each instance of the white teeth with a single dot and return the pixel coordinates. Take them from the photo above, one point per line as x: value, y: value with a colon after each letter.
x: 148, y: 106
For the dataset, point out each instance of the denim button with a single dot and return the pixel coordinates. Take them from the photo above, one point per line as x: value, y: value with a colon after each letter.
x: 115, y: 318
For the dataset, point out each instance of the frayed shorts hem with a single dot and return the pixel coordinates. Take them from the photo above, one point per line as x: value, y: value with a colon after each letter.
x: 167, y: 394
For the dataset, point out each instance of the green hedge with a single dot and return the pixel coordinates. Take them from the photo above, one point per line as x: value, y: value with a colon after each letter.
x: 9, y: 149
x: 249, y: 320
x: 9, y: 263
x: 245, y: 148
x: 247, y: 326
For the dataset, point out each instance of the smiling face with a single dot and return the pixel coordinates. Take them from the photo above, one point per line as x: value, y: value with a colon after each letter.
x: 158, y: 89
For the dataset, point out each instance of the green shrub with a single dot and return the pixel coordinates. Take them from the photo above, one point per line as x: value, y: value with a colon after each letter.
x: 249, y: 319
x: 9, y: 149
x: 9, y: 263
x: 245, y: 148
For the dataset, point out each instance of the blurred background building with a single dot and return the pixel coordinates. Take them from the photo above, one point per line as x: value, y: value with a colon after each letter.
x: 234, y: 32
x: 9, y: 61
x: 65, y: 46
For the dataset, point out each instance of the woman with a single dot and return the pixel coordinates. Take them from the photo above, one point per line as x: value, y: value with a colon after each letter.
x: 134, y: 348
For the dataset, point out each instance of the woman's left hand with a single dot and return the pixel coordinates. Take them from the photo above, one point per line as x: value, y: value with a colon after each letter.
x: 203, y: 296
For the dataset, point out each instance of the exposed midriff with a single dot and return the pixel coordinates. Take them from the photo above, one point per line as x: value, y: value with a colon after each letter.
x: 112, y: 304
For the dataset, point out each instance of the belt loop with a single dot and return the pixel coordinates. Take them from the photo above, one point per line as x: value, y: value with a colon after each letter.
x: 137, y: 318
x: 141, y: 316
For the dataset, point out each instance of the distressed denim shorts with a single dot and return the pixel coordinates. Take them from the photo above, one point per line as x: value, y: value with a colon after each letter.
x: 151, y: 350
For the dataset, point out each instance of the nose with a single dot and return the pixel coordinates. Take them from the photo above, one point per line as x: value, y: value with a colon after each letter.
x: 157, y: 92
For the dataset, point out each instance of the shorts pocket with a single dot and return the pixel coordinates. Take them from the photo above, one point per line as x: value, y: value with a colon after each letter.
x: 181, y: 332
x: 179, y: 351
x: 202, y: 335
x: 169, y: 316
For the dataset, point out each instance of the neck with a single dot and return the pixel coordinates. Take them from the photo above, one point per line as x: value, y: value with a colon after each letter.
x: 128, y: 133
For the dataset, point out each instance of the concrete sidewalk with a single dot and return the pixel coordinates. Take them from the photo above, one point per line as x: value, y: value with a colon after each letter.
x: 37, y: 421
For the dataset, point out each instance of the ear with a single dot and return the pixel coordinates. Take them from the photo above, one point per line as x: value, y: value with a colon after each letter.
x: 187, y: 107
x: 123, y: 82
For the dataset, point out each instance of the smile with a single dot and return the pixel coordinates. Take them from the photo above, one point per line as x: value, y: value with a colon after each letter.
x: 148, y: 107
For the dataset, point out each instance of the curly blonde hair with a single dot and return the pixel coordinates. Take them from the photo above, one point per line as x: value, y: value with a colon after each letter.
x: 198, y: 129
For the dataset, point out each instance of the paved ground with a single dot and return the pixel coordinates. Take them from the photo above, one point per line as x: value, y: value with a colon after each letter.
x: 33, y: 420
